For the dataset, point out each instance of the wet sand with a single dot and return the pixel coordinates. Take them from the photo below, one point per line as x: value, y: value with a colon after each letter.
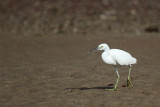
x: 52, y: 71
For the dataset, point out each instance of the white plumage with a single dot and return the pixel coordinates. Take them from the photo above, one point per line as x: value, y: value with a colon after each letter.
x: 117, y: 57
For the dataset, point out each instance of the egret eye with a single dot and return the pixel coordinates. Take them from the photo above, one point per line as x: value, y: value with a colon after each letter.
x: 101, y: 47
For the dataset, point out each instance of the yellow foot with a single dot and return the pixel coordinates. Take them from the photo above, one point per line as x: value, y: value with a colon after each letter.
x: 112, y: 89
x: 129, y: 83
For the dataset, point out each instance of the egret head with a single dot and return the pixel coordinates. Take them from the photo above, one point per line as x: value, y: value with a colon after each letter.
x: 103, y: 46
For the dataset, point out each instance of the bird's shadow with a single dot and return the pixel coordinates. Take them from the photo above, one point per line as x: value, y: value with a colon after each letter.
x: 110, y: 86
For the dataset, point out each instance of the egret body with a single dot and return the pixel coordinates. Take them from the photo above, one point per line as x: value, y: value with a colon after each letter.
x: 117, y: 57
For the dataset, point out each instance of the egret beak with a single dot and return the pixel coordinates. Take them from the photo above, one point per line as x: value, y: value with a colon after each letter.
x: 91, y: 51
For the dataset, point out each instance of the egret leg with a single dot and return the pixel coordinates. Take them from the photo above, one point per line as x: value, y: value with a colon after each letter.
x: 115, y: 87
x: 129, y: 83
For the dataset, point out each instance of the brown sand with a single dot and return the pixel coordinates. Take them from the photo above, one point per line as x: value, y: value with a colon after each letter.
x: 52, y: 71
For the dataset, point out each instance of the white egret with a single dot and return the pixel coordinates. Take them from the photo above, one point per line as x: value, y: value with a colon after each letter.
x: 116, y: 57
